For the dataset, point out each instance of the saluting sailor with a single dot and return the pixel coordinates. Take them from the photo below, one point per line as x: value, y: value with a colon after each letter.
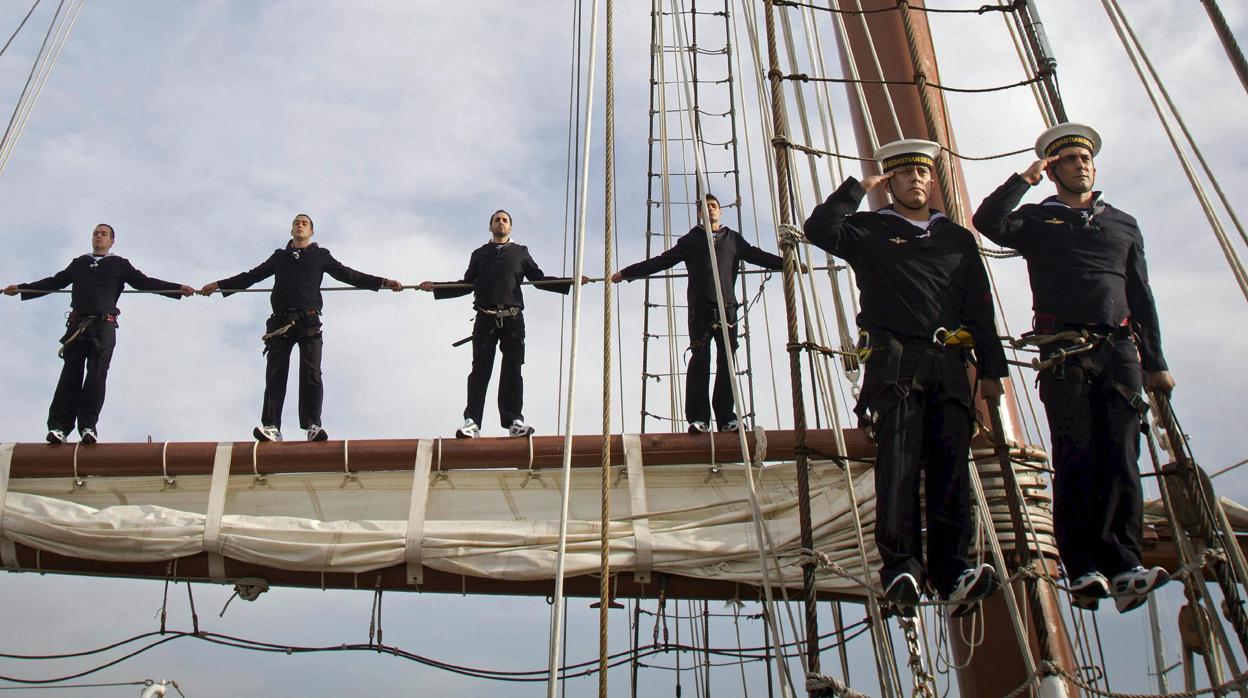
x: 297, y: 271
x: 88, y: 343
x: 925, y: 303
x: 1089, y: 279
x: 495, y: 272
x: 731, y: 248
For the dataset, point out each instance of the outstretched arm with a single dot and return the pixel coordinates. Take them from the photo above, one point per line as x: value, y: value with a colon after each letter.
x: 756, y: 256
x: 556, y: 284
x: 470, y: 277
x: 57, y: 281
x: 677, y: 254
x: 143, y: 282
x: 246, y: 279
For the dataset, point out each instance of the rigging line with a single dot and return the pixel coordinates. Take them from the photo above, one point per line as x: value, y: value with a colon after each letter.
x: 1037, y: 93
x: 608, y: 262
x: 1229, y: 468
x: 571, y: 170
x: 747, y: 10
x: 578, y: 266
x: 823, y: 380
x: 117, y: 684
x: 34, y: 68
x: 1118, y: 20
x: 1178, y: 118
x: 17, y: 31
x: 803, y: 77
x: 981, y: 10
x: 59, y: 41
x: 756, y: 511
x: 827, y: 122
x: 1223, y: 30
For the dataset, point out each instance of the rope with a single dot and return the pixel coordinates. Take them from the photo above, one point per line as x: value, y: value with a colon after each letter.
x: 735, y: 383
x: 803, y: 77
x: 1132, y: 46
x: 1223, y: 30
x: 983, y: 9
x: 557, y: 609
x: 608, y: 263
x: 44, y: 64
x: 837, y: 689
x: 17, y: 31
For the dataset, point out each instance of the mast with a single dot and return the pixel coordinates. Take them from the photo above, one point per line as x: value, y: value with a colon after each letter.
x: 901, y: 43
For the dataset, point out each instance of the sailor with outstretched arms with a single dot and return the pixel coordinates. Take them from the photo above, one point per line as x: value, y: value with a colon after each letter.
x: 91, y: 333
x: 1089, y: 286
x: 926, y: 307
x: 495, y: 272
x: 297, y: 272
x: 731, y: 248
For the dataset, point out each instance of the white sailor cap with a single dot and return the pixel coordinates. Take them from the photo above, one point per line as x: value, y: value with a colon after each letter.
x: 907, y: 152
x: 1065, y: 135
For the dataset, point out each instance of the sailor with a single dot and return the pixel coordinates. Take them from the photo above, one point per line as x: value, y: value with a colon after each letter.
x: 731, y: 248
x: 91, y: 333
x: 1089, y: 286
x: 297, y: 271
x: 495, y: 272
x: 926, y: 305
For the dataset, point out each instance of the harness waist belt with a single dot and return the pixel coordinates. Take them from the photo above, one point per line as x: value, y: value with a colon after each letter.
x: 501, y: 312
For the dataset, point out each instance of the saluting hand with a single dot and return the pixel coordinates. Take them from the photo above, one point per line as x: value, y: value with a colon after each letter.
x: 10, y: 290
x: 874, y: 180
x: 617, y: 277
x: 209, y: 289
x: 1035, y: 173
x: 393, y: 285
x: 186, y: 291
x: 425, y: 286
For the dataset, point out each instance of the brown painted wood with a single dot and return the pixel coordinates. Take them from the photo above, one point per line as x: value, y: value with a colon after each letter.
x: 195, y: 458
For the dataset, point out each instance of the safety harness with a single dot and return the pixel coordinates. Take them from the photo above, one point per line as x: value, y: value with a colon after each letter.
x: 1084, y: 349
x: 78, y: 326
x: 499, y: 314
x: 292, y: 318
x: 930, y: 367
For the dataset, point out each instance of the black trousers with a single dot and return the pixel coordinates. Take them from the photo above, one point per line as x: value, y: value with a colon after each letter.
x: 703, y: 330
x: 1097, y: 499
x: 80, y: 397
x: 921, y: 431
x: 307, y: 334
x: 507, y: 334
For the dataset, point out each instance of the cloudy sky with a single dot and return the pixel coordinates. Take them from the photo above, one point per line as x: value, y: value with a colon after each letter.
x: 199, y: 129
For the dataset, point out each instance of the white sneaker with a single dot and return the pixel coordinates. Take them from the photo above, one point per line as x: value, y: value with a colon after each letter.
x: 1087, y: 591
x: 469, y: 430
x: 698, y: 428
x: 266, y: 433
x: 316, y: 433
x: 88, y: 436
x: 973, y: 585
x: 519, y: 428
x: 730, y: 425
x: 1131, y: 588
x: 55, y: 436
x: 903, y: 593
